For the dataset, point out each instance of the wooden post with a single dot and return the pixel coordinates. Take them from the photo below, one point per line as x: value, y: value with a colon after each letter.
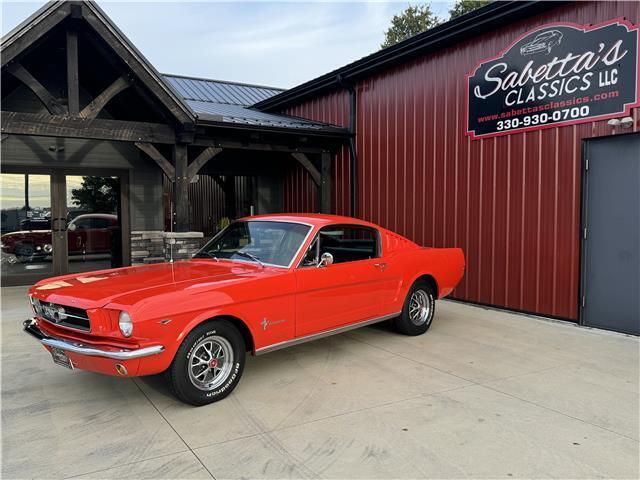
x: 73, y: 86
x: 325, y: 183
x: 181, y: 188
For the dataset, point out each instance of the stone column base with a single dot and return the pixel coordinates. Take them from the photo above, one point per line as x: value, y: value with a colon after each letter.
x: 156, y: 246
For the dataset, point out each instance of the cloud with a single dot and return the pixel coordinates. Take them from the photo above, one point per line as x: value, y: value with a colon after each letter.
x: 273, y: 43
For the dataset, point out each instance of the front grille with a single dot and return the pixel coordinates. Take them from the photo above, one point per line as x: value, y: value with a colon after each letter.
x: 63, y: 315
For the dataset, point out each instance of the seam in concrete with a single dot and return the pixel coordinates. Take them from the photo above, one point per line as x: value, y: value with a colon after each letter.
x: 127, y: 464
x: 172, y: 428
x: 487, y: 386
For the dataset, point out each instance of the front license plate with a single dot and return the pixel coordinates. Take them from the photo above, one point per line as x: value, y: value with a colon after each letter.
x: 61, y: 358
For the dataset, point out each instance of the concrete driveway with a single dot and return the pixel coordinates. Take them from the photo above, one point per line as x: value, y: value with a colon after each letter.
x: 483, y: 394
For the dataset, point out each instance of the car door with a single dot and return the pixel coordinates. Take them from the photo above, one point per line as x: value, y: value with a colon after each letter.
x: 346, y: 291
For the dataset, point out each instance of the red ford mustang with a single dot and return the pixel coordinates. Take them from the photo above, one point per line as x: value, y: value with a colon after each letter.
x: 263, y: 283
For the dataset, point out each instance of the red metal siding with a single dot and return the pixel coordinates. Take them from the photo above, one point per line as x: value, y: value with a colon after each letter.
x: 299, y: 189
x: 512, y: 202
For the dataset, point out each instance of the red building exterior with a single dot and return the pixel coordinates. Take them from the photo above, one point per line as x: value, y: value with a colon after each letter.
x: 512, y: 202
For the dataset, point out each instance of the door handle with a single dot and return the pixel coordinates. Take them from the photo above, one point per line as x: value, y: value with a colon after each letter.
x: 380, y: 265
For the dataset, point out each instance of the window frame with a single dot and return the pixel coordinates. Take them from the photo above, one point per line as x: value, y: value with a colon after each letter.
x: 293, y: 259
x: 376, y: 236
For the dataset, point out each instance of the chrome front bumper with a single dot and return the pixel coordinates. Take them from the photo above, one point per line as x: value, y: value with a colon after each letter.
x: 32, y: 329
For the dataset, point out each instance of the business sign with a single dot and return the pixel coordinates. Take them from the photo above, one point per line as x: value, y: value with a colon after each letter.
x: 558, y: 74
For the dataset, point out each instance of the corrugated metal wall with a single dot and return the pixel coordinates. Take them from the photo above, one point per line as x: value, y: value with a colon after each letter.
x: 207, y: 203
x: 512, y: 203
x: 299, y: 189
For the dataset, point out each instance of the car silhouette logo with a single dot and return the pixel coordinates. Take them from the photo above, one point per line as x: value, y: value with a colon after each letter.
x: 543, y: 42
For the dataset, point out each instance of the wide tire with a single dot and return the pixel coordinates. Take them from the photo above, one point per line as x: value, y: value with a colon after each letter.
x: 418, y: 310
x: 209, y: 363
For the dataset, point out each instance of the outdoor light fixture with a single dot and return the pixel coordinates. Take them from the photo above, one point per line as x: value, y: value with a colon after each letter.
x: 626, y: 122
x: 614, y: 122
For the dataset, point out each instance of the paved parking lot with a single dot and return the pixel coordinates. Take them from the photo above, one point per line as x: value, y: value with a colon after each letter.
x: 484, y: 394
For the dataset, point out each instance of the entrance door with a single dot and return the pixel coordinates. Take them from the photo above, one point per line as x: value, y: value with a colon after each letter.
x: 92, y: 230
x: 56, y: 223
x: 611, y: 249
x: 27, y: 243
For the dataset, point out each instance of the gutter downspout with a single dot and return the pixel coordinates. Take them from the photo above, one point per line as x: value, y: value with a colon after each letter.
x: 353, y: 159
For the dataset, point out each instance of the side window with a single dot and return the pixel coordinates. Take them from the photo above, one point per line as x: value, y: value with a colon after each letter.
x: 99, y: 223
x: 348, y: 243
x: 83, y: 223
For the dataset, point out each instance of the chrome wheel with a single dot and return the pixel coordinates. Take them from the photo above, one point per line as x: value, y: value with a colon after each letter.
x: 419, y: 308
x: 210, y: 363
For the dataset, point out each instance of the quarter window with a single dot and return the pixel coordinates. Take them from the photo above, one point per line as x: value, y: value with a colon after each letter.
x: 347, y: 243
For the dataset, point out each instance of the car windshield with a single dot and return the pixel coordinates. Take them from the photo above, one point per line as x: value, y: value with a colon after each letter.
x: 259, y: 241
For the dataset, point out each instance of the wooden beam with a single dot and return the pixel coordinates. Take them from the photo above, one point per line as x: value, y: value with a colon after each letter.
x: 155, y: 155
x: 303, y: 160
x: 98, y: 103
x: 38, y: 27
x: 181, y: 187
x: 73, y: 84
x: 267, y: 147
x: 137, y: 64
x: 206, y: 155
x: 52, y: 105
x: 97, y: 128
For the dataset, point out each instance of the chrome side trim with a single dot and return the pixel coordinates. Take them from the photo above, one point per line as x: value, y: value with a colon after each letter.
x: 32, y: 329
x: 326, y: 333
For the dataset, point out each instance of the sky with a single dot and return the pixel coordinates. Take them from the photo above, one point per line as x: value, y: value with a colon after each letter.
x: 279, y: 44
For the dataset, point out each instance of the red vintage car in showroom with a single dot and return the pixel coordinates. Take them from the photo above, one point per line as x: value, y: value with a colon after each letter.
x: 87, y: 233
x: 261, y: 284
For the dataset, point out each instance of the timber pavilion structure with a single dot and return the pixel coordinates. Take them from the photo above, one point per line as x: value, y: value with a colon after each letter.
x: 178, y: 154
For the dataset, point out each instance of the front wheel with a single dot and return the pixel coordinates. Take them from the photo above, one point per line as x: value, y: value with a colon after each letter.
x: 208, y: 364
x: 418, y: 310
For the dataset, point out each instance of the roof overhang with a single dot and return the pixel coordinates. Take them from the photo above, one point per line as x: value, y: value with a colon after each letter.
x: 35, y: 27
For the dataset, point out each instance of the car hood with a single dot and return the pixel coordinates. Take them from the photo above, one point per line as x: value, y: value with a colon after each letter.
x: 97, y: 289
x: 18, y: 233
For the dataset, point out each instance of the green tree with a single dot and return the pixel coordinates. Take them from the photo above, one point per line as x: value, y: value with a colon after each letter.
x: 96, y: 194
x: 411, y: 21
x: 465, y: 6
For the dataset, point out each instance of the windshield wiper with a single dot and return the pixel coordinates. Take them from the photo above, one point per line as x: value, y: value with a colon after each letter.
x: 249, y: 255
x: 205, y: 254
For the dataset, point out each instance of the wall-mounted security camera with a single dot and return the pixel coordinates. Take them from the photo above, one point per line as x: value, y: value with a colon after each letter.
x: 614, y: 122
x: 626, y: 122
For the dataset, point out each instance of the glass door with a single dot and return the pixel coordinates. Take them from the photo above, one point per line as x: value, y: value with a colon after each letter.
x: 58, y: 223
x: 26, y: 217
x: 92, y: 224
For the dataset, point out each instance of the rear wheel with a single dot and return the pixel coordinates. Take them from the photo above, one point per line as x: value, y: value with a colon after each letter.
x: 418, y: 310
x: 208, y: 364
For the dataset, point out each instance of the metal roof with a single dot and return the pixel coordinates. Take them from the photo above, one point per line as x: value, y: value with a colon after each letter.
x: 228, y: 102
x: 218, y: 91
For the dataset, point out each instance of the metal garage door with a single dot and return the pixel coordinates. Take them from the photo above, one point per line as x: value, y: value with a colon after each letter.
x: 611, y: 247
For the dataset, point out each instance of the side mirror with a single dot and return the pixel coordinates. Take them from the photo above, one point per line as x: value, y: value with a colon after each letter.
x: 326, y: 259
x: 72, y: 227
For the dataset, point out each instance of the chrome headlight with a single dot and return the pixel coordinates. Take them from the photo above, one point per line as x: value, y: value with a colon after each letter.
x: 125, y: 324
x: 36, y: 305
